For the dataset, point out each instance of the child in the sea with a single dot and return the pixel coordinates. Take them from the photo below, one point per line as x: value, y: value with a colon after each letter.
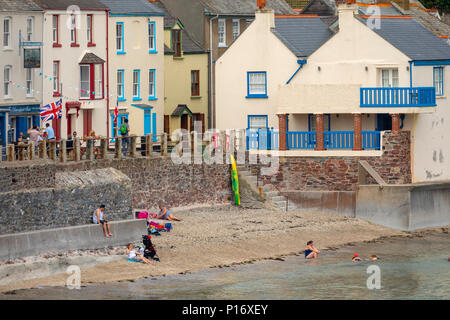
x: 356, y: 258
x: 374, y: 257
x: 135, y: 256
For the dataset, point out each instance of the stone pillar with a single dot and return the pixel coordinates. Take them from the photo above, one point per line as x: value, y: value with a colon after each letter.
x: 118, y: 148
x: 20, y: 153
x: 42, y: 149
x: 133, y: 146
x: 30, y: 151
x: 1, y: 153
x: 76, y: 150
x: 148, y: 145
x: 282, y: 122
x: 52, y: 150
x: 10, y: 156
x: 223, y: 145
x: 357, y: 137
x: 319, y: 128
x: 395, y: 122
x: 164, y: 144
x: 103, y: 148
x: 63, y: 151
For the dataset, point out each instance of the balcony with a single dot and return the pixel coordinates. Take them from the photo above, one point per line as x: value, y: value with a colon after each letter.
x: 397, y: 97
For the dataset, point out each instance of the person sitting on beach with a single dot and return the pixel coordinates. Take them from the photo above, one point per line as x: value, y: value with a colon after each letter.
x: 356, y: 258
x: 135, y: 256
x: 99, y: 218
x: 311, y: 252
x: 165, y: 214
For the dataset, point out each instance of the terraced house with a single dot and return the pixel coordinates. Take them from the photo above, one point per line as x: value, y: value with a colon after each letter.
x: 309, y: 86
x: 136, y: 65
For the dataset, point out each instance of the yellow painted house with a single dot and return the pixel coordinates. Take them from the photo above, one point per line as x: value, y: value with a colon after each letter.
x: 185, y: 77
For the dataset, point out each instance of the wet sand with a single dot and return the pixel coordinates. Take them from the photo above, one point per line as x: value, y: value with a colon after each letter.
x: 224, y: 236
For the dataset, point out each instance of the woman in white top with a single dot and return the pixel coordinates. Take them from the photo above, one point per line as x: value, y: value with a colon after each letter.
x: 135, y: 256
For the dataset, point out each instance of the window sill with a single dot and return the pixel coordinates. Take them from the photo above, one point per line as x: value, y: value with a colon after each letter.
x: 8, y: 49
x: 257, y: 96
x: 152, y: 98
x: 90, y: 44
x: 57, y: 45
x: 56, y: 94
x: 121, y: 52
x: 152, y: 51
x: 178, y: 58
x: 122, y: 99
x: 196, y: 97
x: 74, y: 45
x: 222, y: 46
x: 441, y: 97
x: 137, y: 99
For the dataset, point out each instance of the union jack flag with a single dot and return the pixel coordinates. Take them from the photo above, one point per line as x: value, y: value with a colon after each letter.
x: 51, y: 111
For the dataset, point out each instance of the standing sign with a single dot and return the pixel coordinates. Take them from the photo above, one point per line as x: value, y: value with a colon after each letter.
x: 32, y: 58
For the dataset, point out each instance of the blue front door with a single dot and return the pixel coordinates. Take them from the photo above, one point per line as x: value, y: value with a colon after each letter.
x: 2, y: 129
x: 384, y: 122
x: 147, y: 121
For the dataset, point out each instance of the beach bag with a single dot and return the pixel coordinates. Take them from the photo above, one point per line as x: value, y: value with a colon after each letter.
x: 123, y: 129
x: 168, y: 226
x: 142, y: 215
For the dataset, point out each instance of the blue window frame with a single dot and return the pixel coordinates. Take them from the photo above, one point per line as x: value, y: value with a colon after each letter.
x: 120, y: 39
x: 152, y: 85
x: 152, y: 37
x: 438, y: 80
x: 256, y: 84
x: 257, y: 121
x: 137, y: 85
x: 120, y: 85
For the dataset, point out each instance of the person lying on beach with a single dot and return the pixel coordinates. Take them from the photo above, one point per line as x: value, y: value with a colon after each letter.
x: 356, y: 258
x: 99, y: 218
x: 311, y: 252
x: 165, y: 214
x: 135, y: 256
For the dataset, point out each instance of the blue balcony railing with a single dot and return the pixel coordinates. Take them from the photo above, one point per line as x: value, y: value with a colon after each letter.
x: 301, y: 139
x: 262, y: 139
x: 398, y: 97
x: 371, y: 140
x: 338, y: 139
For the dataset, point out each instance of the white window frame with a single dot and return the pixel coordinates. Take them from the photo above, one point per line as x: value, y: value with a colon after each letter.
x: 256, y: 88
x: 236, y: 28
x: 222, y: 32
x: 56, y: 76
x: 438, y: 83
x: 7, y: 82
x: 151, y: 83
x: 119, y: 37
x: 120, y: 83
x: 98, y: 79
x: 257, y: 122
x: 73, y: 29
x: 151, y: 36
x: 30, y: 28
x: 55, y: 24
x: 85, y: 94
x: 29, y: 82
x: 89, y: 21
x: 392, y: 77
x: 7, y: 34
x: 136, y: 84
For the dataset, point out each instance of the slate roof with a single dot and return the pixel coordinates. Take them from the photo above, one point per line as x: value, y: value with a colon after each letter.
x: 179, y: 110
x: 244, y: 7
x: 91, y: 58
x: 302, y: 36
x: 64, y: 4
x: 413, y: 39
x: 132, y: 6
x: 18, y: 5
x: 169, y: 20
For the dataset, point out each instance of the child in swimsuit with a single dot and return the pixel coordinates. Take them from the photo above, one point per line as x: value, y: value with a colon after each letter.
x: 311, y: 252
x: 135, y: 256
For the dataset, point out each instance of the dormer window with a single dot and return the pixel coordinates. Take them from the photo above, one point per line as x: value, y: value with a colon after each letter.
x: 176, y: 42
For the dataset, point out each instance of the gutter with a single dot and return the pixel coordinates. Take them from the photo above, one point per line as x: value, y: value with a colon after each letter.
x: 301, y: 63
x: 410, y: 73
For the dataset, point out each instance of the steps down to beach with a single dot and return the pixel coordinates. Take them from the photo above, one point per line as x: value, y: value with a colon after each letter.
x: 248, y: 182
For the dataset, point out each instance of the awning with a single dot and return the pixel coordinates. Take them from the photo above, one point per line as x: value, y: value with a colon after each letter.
x: 91, y: 58
x: 142, y: 106
x: 180, y: 110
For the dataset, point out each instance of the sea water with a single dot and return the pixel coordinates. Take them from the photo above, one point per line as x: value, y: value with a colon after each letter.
x: 409, y: 268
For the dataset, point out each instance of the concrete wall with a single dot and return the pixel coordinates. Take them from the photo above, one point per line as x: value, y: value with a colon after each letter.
x: 70, y: 238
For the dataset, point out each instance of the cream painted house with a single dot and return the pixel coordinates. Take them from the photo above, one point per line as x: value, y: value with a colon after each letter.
x: 185, y: 77
x: 136, y: 65
x: 337, y: 87
x: 21, y: 89
x: 75, y: 65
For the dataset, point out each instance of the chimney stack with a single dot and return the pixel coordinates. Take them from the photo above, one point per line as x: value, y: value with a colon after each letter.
x: 261, y: 4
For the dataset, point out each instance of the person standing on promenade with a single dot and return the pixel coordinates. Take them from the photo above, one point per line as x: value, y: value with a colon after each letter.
x: 311, y: 252
x: 50, y: 134
x: 99, y: 218
x: 124, y: 131
x: 34, y: 134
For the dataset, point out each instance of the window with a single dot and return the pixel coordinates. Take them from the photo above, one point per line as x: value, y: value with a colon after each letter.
x: 151, y: 84
x: 7, y: 81
x: 119, y: 38
x: 195, y: 83
x: 151, y: 37
x: 136, y: 85
x: 98, y: 80
x: 256, y: 122
x: 73, y: 31
x: 55, y: 29
x: 389, y: 78
x: 222, y: 32
x: 89, y: 20
x: 256, y: 84
x: 236, y: 28
x: 29, y: 82
x: 438, y: 80
x: 176, y: 42
x: 120, y: 91
x: 326, y: 122
x: 7, y: 32
x: 85, y: 81
x: 55, y: 78
x: 30, y: 28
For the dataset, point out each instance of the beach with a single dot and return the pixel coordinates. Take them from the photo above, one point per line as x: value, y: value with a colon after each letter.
x: 221, y: 236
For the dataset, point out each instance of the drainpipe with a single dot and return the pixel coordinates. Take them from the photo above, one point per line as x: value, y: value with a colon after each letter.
x: 107, y: 78
x: 212, y: 111
x: 301, y: 63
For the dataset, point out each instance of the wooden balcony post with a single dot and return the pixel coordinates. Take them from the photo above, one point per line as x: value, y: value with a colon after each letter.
x: 76, y: 149
x: 395, y: 122
x: 164, y: 144
x: 42, y: 149
x: 357, y: 136
x: 282, y: 127
x: 103, y: 148
x: 30, y: 151
x: 118, y: 148
x: 90, y: 148
x: 63, y: 151
x: 319, y: 126
x: 132, y: 146
x: 10, y: 156
x: 148, y: 145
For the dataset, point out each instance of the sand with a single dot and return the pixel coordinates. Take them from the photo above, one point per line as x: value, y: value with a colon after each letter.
x: 224, y: 236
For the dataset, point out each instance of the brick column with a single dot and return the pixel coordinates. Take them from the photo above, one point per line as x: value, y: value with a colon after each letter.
x: 319, y: 128
x: 395, y: 122
x: 357, y: 137
x: 282, y: 131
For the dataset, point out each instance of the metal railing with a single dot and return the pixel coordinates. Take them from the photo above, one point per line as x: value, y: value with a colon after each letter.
x: 338, y: 139
x: 262, y: 139
x: 398, y: 97
x: 301, y: 139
